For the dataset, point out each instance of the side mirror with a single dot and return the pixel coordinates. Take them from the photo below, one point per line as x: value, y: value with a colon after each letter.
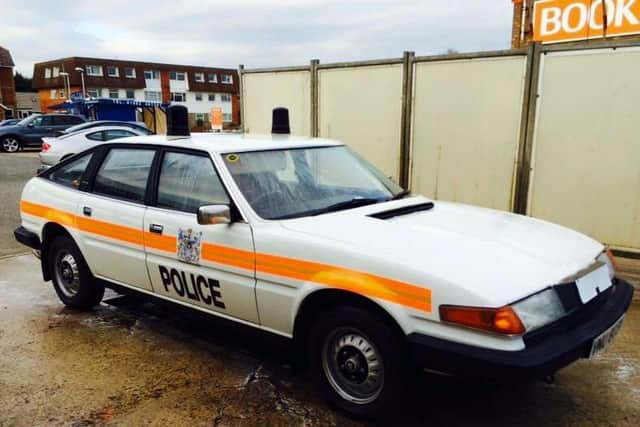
x: 214, y: 214
x: 30, y: 125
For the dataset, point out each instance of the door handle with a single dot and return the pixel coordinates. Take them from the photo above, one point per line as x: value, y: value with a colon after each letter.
x: 156, y: 228
x: 86, y: 211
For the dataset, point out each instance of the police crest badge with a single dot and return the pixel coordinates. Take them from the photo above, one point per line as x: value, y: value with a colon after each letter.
x: 189, y: 245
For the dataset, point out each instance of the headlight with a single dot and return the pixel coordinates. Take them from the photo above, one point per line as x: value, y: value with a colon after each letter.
x: 607, y: 258
x: 539, y: 310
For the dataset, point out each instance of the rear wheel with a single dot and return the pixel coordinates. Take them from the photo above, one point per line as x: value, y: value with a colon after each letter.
x: 71, y: 277
x: 359, y: 361
x: 10, y: 144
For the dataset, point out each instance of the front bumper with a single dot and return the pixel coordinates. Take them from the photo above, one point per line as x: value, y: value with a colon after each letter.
x: 546, y: 351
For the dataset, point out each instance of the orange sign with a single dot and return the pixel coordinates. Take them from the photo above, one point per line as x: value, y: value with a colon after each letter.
x: 566, y: 20
x: 216, y: 118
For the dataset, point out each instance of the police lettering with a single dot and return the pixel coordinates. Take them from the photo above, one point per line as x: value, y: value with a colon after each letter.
x: 198, y: 288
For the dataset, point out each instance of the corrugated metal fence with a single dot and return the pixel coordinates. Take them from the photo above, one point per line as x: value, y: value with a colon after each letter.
x: 550, y: 131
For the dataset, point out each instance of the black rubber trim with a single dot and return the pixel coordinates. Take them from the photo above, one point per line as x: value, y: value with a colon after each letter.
x: 405, y: 210
x: 537, y: 360
x: 27, y: 238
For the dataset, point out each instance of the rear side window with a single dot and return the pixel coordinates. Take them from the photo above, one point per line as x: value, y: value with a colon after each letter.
x: 96, y: 136
x: 124, y: 174
x: 188, y: 181
x: 117, y: 133
x: 71, y: 174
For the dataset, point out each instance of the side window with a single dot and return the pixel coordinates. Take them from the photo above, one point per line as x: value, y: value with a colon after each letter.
x: 116, y: 133
x: 59, y: 120
x: 96, y: 136
x: 189, y: 181
x: 70, y: 175
x: 46, y: 121
x: 74, y: 120
x: 124, y: 173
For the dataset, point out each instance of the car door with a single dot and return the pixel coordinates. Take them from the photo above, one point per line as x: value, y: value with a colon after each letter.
x: 37, y: 129
x: 60, y: 123
x: 208, y: 266
x: 111, y: 215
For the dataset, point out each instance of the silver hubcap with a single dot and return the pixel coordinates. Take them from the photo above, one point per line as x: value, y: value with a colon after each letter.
x: 67, y: 274
x: 353, y: 366
x: 10, y: 145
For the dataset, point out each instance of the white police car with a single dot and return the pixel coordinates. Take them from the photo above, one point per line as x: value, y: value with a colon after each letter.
x: 302, y: 238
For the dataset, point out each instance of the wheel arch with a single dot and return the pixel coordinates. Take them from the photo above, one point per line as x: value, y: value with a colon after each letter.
x: 50, y: 231
x: 314, y: 303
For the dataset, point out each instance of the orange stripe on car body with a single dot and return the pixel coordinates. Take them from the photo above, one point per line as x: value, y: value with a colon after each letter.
x: 324, y: 274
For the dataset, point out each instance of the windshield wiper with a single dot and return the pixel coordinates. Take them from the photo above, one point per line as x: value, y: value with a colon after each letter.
x: 401, y: 195
x: 347, y: 204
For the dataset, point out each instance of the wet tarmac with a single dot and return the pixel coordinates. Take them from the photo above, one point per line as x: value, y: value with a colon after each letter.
x: 134, y: 362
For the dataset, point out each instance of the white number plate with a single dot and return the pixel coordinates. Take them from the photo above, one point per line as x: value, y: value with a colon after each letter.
x: 604, y: 339
x: 593, y: 283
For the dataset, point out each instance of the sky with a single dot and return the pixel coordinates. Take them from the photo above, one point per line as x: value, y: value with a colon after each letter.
x: 256, y: 33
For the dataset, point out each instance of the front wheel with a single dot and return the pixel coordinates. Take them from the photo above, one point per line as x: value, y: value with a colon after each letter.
x: 10, y: 144
x: 359, y: 361
x: 71, y: 277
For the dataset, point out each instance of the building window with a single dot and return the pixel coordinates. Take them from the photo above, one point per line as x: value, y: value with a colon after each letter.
x: 47, y: 73
x: 94, y: 70
x: 151, y: 74
x: 226, y: 117
x: 113, y: 71
x: 130, y: 72
x: 202, y: 118
x: 225, y: 98
x: 212, y: 78
x: 178, y: 96
x: 198, y: 97
x: 130, y: 94
x: 177, y: 75
x: 114, y: 94
x: 53, y: 94
x: 152, y: 96
x: 212, y: 97
x: 227, y: 79
x: 199, y: 77
x: 94, y: 93
x: 56, y: 72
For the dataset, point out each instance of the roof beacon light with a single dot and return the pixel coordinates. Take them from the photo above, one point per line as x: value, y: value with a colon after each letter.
x: 280, y: 121
x: 177, y: 121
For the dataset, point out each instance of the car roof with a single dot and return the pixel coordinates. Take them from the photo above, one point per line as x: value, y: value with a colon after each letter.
x: 233, y: 142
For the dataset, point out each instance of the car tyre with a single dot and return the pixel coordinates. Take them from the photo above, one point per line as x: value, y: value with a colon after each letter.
x: 72, y: 279
x: 359, y: 361
x: 10, y: 144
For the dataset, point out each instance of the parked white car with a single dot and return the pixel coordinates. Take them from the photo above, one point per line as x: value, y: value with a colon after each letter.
x: 302, y: 238
x: 57, y: 149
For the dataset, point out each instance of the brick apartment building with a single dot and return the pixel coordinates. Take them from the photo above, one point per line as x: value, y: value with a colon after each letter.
x: 624, y: 14
x: 198, y: 88
x: 7, y: 85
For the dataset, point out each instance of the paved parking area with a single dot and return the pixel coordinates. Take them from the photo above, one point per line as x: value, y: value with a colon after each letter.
x: 133, y: 362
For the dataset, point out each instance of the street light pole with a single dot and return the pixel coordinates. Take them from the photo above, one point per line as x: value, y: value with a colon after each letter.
x: 81, y: 71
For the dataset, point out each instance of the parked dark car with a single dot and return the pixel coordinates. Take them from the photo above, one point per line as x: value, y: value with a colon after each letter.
x: 82, y: 126
x: 8, y: 122
x: 30, y: 131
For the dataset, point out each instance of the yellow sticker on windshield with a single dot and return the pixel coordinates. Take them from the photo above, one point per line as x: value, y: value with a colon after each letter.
x: 232, y: 158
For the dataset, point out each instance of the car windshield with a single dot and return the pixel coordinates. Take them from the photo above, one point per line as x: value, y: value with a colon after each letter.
x: 27, y: 120
x: 293, y: 183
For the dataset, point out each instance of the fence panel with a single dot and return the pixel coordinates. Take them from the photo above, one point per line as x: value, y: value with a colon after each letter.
x: 362, y: 107
x: 262, y: 92
x: 466, y: 120
x: 586, y: 150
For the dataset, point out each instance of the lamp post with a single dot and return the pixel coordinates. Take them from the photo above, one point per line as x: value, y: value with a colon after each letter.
x: 81, y: 71
x: 67, y: 86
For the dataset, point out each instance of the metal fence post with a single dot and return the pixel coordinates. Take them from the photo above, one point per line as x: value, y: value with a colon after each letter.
x: 241, y: 100
x: 525, y: 152
x: 313, y: 70
x: 405, y: 120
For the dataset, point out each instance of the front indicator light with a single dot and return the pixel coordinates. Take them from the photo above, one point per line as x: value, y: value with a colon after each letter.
x: 499, y: 320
